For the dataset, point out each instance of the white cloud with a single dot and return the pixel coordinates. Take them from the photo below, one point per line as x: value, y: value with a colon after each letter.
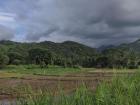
x: 8, y: 26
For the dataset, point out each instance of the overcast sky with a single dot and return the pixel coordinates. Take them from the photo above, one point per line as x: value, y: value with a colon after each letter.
x: 92, y: 22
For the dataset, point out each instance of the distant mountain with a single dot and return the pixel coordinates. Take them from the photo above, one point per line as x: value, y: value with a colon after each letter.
x: 8, y: 42
x: 135, y: 46
x: 102, y: 48
x: 65, y: 49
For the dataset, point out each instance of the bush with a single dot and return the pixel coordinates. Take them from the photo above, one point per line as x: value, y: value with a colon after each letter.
x: 16, y: 62
x: 77, y: 66
x: 31, y: 66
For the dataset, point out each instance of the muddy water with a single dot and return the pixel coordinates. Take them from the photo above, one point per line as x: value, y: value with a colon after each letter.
x: 8, y: 102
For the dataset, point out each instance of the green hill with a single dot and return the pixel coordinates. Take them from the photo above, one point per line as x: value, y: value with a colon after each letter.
x: 67, y: 51
x: 71, y: 53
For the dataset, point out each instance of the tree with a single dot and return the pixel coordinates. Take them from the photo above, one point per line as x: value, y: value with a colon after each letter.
x: 16, y: 62
x: 4, y: 60
x: 102, y: 61
x: 40, y: 56
x: 121, y: 58
x: 133, y: 61
x: 15, y: 57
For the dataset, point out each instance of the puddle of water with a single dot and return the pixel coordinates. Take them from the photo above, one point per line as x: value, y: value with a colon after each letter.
x: 7, y: 102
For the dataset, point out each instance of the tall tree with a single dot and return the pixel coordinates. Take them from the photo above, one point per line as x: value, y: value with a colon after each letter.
x: 4, y: 60
x: 40, y: 56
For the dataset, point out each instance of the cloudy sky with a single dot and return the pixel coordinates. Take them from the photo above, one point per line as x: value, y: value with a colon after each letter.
x: 92, y: 22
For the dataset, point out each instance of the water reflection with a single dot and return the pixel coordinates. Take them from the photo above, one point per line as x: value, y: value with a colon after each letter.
x: 7, y: 102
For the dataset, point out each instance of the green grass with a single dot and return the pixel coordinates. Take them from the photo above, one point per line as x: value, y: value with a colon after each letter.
x: 121, y: 91
x: 25, y: 70
x: 36, y: 70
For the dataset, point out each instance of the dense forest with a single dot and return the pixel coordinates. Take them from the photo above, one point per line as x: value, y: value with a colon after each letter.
x: 69, y: 54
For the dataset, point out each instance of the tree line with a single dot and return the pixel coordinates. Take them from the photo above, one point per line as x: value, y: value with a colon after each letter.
x: 68, y: 54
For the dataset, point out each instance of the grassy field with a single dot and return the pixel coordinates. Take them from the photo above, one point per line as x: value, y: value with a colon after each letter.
x: 24, y: 70
x: 121, y: 91
x: 81, y: 86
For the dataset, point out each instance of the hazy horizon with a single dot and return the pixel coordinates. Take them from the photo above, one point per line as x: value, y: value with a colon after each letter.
x: 91, y: 22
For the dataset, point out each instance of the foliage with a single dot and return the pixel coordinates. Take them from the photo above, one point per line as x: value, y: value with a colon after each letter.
x: 36, y: 70
x: 67, y: 54
x: 121, y: 91
x: 70, y: 54
x: 3, y: 60
x: 40, y: 56
x: 15, y: 58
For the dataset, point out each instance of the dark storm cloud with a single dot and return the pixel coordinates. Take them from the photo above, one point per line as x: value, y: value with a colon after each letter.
x: 37, y: 35
x: 93, y: 22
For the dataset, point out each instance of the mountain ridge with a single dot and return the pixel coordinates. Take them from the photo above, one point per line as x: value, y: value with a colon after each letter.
x: 133, y: 45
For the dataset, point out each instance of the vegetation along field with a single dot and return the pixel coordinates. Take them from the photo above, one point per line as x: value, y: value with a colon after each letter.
x: 68, y: 73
